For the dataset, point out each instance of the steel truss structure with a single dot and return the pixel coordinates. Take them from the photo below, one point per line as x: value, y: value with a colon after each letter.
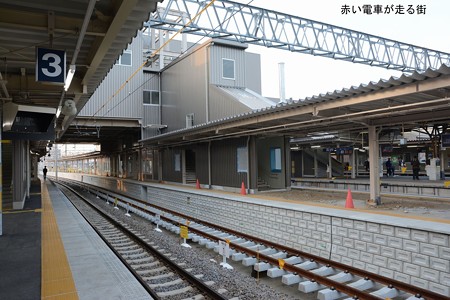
x: 254, y: 25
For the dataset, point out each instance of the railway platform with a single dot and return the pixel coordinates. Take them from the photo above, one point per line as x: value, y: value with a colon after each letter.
x: 48, y: 251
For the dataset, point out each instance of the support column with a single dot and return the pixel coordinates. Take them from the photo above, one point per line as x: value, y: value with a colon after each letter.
x: 330, y: 165
x: 374, y: 166
x: 353, y: 164
x: 316, y: 165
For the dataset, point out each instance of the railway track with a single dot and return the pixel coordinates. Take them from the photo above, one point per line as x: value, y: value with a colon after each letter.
x: 158, y: 271
x: 312, y: 274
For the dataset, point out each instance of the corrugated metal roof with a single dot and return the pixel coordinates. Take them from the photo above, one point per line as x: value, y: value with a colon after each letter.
x: 247, y: 97
x: 329, y: 97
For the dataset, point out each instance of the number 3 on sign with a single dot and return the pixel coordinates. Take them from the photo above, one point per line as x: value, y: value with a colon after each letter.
x: 54, y: 63
x: 50, y: 65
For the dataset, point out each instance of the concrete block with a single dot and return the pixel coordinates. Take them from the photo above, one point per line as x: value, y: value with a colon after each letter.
x: 302, y: 223
x: 419, y: 235
x: 367, y: 237
x: 316, y: 218
x: 439, y: 239
x: 380, y: 261
x: 290, y: 229
x: 290, y: 213
x: 395, y: 242
x: 429, y: 249
x: 439, y: 288
x: 336, y: 240
x: 347, y: 223
x: 307, y: 265
x: 262, y: 266
x: 326, y: 237
x: 420, y: 259
x: 309, y: 286
x: 429, y: 274
x: 395, y: 265
x: 325, y: 220
x: 386, y: 272
x: 301, y: 240
x: 307, y: 216
x: 249, y: 261
x: 402, y: 277
x: 362, y: 246
x: 276, y: 226
x: 335, y: 221
x: 282, y: 212
x: 293, y: 237
x: 380, y: 239
x: 316, y: 235
x: 403, y: 255
x: 311, y: 225
x: 373, y: 227
x: 283, y: 228
x: 307, y: 232
x: 298, y: 230
x: 360, y: 225
x: 410, y: 245
x: 404, y: 233
x: 286, y: 220
x: 411, y: 269
x: 340, y: 231
x: 353, y: 234
x: 329, y: 294
x: 366, y: 257
x: 311, y: 243
x: 386, y: 293
x: 343, y: 251
x: 444, y: 278
x: 444, y: 252
x: 278, y: 219
x: 298, y: 215
x: 353, y: 253
x: 276, y: 272
x: 275, y: 211
x: 387, y: 252
x: 294, y: 222
x: 373, y: 248
x: 362, y: 284
x: 349, y: 243
x: 442, y: 265
x: 347, y: 261
x: 291, y: 279
x: 372, y: 268
x: 387, y: 230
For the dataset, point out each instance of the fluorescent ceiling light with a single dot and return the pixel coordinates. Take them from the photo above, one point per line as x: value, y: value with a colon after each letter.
x: 69, y: 77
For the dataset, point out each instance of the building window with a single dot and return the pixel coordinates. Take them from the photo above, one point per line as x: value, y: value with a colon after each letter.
x: 125, y: 58
x: 275, y: 160
x: 242, y: 159
x: 177, y: 162
x: 227, y: 68
x: 189, y: 120
x: 151, y: 97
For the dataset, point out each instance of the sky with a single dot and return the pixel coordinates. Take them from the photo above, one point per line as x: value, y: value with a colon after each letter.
x: 307, y: 75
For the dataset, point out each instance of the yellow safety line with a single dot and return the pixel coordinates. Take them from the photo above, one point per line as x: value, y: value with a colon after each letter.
x: 11, y: 211
x: 56, y: 281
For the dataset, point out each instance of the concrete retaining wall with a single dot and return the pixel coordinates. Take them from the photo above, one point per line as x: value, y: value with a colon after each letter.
x: 407, y: 249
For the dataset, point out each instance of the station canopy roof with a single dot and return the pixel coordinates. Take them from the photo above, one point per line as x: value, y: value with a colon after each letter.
x: 93, y: 34
x: 408, y: 101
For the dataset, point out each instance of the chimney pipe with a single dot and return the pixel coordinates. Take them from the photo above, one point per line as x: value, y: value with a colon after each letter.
x: 281, y: 82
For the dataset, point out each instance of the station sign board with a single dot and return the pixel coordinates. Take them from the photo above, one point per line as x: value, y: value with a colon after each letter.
x: 341, y: 150
x: 445, y: 140
x: 50, y: 65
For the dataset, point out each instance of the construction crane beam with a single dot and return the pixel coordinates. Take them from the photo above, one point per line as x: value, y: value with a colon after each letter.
x: 259, y: 26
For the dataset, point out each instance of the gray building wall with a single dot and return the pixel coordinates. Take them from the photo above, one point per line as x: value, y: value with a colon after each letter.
x: 150, y: 112
x: 224, y: 167
x: 168, y: 172
x: 128, y: 102
x: 221, y: 105
x: 219, y: 52
x: 253, y: 72
x: 274, y: 179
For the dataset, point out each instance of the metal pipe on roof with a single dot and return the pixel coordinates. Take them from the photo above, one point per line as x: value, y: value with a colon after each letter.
x: 282, y: 84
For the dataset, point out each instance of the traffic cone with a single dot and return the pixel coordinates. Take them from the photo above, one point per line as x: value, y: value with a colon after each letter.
x: 349, y: 201
x: 243, y: 191
x: 197, y: 186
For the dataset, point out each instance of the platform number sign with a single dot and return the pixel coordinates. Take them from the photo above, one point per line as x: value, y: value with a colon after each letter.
x: 50, y: 65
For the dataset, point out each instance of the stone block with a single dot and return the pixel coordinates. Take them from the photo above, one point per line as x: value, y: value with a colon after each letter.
x: 360, y: 225
x: 326, y: 237
x: 286, y: 220
x: 342, y: 231
x: 337, y: 240
x: 380, y: 261
x: 290, y: 213
x: 402, y: 277
x: 420, y: 259
x: 440, y: 264
x: 429, y: 249
x: 347, y: 223
x: 395, y: 242
x: 326, y: 220
x: 346, y: 260
x: 419, y: 235
x: 349, y: 243
x: 359, y: 264
x: 311, y: 225
x: 354, y: 234
x: 386, y: 272
x: 367, y: 237
x: 302, y: 223
x: 444, y: 252
x: 404, y: 233
x: 366, y: 257
x: 439, y: 288
x: 307, y: 216
x: 372, y: 268
x: 298, y: 231
x: 380, y: 239
x: 342, y: 250
x: 373, y: 227
x: 353, y: 253
x: 412, y: 246
x: 307, y: 233
x: 395, y: 265
x: 410, y: 269
x: 359, y: 245
x: 335, y: 257
x: 439, y: 239
x: 316, y: 218
x: 387, y: 230
x: 403, y: 255
x: 444, y: 278
x: 429, y: 274
x: 373, y: 248
x: 290, y: 229
x: 336, y: 221
x: 419, y: 282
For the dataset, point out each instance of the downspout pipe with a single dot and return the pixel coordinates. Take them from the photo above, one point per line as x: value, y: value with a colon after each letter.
x: 248, y: 162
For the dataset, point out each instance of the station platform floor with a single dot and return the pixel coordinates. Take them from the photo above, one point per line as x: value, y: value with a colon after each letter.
x: 49, y: 251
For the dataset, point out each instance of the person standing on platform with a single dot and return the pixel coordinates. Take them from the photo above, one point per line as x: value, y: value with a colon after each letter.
x: 45, y: 172
x: 388, y: 167
x: 416, y: 168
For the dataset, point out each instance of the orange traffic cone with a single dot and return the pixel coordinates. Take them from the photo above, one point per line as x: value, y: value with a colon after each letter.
x: 243, y: 191
x: 349, y: 201
x: 197, y: 186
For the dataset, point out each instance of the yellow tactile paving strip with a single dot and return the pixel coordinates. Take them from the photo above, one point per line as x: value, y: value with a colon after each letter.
x: 57, y: 281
